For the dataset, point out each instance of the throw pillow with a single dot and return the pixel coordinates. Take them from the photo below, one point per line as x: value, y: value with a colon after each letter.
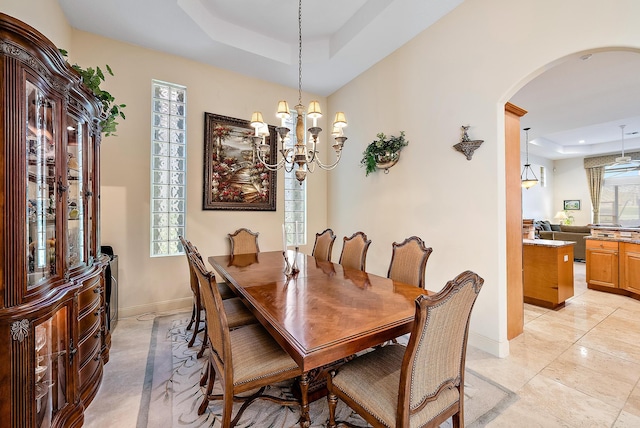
x: 546, y: 225
x: 555, y: 227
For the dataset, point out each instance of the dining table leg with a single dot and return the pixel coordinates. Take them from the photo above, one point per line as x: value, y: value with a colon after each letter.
x: 305, y: 420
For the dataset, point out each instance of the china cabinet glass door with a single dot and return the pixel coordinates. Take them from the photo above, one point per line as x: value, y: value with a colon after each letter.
x: 41, y: 185
x: 52, y: 342
x: 76, y: 134
x: 90, y: 200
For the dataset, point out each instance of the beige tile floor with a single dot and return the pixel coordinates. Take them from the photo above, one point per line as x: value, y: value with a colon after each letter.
x: 578, y: 366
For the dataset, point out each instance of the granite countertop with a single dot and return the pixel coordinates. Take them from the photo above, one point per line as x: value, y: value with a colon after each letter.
x: 547, y: 242
x: 613, y: 238
x: 617, y: 228
x: 616, y: 234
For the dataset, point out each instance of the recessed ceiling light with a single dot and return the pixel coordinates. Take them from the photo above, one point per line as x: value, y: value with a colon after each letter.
x: 586, y: 57
x: 581, y: 141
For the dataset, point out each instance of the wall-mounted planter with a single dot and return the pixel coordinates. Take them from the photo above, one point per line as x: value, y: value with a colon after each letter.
x: 383, y: 153
x: 387, y: 160
x: 467, y: 146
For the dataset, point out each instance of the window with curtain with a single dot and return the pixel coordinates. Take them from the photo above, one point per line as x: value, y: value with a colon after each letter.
x: 168, y: 167
x: 620, y: 198
x: 295, y: 198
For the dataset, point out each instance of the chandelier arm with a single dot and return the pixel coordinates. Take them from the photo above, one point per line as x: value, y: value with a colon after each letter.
x: 328, y: 167
x: 311, y: 167
x: 271, y: 166
x: 311, y: 153
x: 290, y: 168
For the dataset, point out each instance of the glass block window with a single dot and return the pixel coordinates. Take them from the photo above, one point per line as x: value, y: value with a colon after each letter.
x: 168, y: 168
x: 295, y: 198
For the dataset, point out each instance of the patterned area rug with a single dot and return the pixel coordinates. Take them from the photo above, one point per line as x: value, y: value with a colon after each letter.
x: 172, y: 391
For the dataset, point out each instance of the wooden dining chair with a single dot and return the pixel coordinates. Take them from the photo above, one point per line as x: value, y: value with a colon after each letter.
x: 243, y: 359
x: 244, y: 241
x: 237, y: 312
x: 324, y: 245
x: 409, y: 261
x: 421, y: 384
x: 196, y: 311
x: 354, y: 251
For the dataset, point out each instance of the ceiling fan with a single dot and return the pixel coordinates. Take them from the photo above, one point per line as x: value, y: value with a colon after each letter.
x: 625, y: 160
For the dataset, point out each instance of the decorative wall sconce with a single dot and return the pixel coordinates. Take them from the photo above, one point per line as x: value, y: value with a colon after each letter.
x: 466, y: 146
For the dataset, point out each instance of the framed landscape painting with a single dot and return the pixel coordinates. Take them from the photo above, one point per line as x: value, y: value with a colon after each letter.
x: 234, y: 178
x: 572, y: 204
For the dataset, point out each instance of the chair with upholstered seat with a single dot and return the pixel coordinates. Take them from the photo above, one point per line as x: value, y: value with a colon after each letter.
x: 324, y: 245
x: 409, y: 261
x: 244, y: 241
x: 421, y: 385
x: 354, y: 251
x: 237, y: 312
x: 242, y: 359
x: 225, y: 291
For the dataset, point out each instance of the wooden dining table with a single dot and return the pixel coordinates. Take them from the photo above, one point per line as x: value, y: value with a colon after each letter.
x: 322, y: 315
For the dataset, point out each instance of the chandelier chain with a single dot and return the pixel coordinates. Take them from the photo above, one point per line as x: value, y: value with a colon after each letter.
x: 300, y: 52
x: 526, y: 144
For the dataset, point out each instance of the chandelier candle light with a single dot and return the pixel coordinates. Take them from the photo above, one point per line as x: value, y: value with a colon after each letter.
x: 300, y: 154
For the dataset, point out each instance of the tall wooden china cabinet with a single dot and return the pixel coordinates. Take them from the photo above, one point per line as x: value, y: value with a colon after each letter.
x: 53, y: 339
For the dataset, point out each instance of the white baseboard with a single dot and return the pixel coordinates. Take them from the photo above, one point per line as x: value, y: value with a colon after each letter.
x: 156, y: 308
x: 499, y: 349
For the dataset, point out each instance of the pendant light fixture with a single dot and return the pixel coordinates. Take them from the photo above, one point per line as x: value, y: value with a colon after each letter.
x: 528, y: 182
x: 304, y: 154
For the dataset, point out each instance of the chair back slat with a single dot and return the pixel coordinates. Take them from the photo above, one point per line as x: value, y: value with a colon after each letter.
x: 324, y: 245
x: 354, y: 251
x: 217, y: 324
x: 435, y: 356
x: 244, y: 241
x: 409, y: 261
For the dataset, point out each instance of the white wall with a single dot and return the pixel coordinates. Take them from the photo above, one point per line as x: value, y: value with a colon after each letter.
x: 460, y: 71
x: 538, y: 201
x: 571, y: 183
x: 566, y: 180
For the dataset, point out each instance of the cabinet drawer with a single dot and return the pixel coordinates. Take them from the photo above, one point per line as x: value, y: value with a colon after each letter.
x: 602, y: 245
x: 89, y: 295
x: 88, y: 321
x: 89, y: 346
x: 89, y: 368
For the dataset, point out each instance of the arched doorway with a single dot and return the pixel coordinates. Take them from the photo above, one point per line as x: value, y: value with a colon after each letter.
x: 602, y: 100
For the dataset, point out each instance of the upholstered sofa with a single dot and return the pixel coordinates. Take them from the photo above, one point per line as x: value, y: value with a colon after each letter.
x: 569, y: 233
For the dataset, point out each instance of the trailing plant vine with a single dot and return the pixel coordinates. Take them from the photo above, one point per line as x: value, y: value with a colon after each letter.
x: 93, y: 78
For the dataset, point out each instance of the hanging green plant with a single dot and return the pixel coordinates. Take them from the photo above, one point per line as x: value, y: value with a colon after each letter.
x: 383, y: 153
x: 92, y: 78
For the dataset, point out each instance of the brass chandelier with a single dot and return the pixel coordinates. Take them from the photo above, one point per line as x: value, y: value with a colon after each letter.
x: 304, y: 155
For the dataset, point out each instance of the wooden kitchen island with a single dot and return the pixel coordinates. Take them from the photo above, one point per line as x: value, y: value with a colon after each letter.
x: 548, y: 272
x: 613, y: 260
